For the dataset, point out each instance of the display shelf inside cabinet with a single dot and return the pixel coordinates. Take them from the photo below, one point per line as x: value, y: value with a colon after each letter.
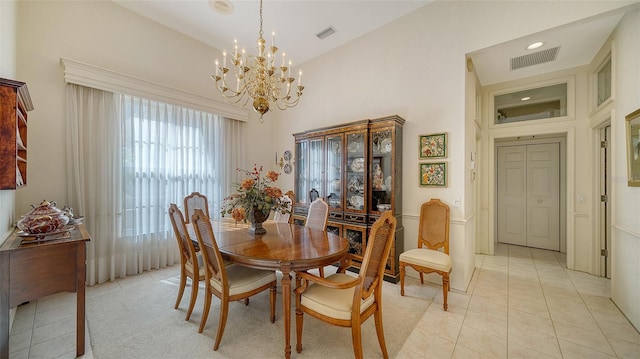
x: 15, y: 102
x: 357, y: 169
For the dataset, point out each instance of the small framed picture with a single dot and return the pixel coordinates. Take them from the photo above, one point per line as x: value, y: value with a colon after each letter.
x: 433, y: 174
x: 433, y: 146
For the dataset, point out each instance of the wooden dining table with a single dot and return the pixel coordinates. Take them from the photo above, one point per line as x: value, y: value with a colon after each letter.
x: 285, y: 247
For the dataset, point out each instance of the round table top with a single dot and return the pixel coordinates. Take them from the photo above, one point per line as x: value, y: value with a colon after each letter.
x: 284, y: 244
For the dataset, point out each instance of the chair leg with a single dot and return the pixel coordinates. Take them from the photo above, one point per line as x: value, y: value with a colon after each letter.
x: 194, y: 296
x: 205, y: 312
x: 402, y: 278
x: 246, y: 301
x: 299, y: 321
x: 321, y: 270
x: 445, y: 290
x: 224, y: 310
x: 356, y: 335
x: 383, y: 346
x: 183, y: 283
x: 272, y: 303
x: 421, y: 278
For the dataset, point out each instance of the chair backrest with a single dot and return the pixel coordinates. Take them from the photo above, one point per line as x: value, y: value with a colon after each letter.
x: 211, y: 256
x: 318, y: 214
x: 187, y: 249
x: 284, y: 217
x: 377, y: 252
x: 433, y: 231
x: 193, y: 201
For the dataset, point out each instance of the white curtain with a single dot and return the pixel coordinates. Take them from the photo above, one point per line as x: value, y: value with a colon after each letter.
x: 128, y: 158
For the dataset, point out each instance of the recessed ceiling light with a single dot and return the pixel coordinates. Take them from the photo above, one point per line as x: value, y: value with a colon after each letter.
x: 525, y: 98
x: 224, y: 7
x: 535, y: 45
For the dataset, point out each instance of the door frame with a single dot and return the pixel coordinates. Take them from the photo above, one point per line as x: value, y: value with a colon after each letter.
x: 566, y: 140
x: 598, y: 123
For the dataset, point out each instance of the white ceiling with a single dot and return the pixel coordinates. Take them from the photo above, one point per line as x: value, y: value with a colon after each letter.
x: 296, y: 23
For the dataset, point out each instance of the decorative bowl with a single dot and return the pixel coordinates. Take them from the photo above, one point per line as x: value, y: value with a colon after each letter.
x: 44, y: 218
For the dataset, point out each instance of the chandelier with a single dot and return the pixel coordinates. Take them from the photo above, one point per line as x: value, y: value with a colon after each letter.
x: 258, y: 78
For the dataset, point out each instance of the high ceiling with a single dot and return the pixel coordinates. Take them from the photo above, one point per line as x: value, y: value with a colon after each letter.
x: 296, y: 24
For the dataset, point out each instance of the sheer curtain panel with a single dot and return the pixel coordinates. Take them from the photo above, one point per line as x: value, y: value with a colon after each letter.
x: 134, y: 157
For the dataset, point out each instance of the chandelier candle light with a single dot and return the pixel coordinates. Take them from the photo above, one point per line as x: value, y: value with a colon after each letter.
x: 258, y: 77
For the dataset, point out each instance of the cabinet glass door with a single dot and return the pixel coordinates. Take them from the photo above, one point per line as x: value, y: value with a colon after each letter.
x: 381, y: 170
x: 316, y: 170
x: 355, y: 171
x: 334, y: 172
x: 302, y: 169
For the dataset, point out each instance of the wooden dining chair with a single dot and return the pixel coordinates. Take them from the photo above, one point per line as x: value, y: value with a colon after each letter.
x: 347, y: 301
x: 228, y: 283
x: 189, y: 267
x: 317, y: 218
x: 193, y: 201
x: 432, y: 254
x: 284, y: 217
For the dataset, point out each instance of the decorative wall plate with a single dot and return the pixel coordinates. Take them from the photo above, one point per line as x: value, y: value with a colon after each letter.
x: 386, y: 146
x: 287, y: 155
x: 287, y: 168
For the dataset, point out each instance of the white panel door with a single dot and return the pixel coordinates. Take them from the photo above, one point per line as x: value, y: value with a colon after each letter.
x: 529, y: 195
x: 543, y: 196
x: 512, y: 195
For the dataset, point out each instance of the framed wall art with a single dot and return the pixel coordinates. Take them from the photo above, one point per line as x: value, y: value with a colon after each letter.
x: 433, y: 146
x: 433, y: 174
x: 633, y: 148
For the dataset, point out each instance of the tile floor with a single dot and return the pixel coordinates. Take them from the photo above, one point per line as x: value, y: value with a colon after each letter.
x: 521, y: 303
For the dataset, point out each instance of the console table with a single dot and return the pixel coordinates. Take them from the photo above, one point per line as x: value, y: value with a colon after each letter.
x: 34, y: 270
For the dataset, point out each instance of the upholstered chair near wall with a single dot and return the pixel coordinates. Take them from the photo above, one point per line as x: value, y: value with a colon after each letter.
x: 228, y: 283
x: 193, y: 201
x: 432, y: 254
x: 189, y: 267
x: 345, y: 300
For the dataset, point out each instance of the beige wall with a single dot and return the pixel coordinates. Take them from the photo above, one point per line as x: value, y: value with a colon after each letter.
x: 414, y: 67
x: 7, y: 70
x: 625, y: 276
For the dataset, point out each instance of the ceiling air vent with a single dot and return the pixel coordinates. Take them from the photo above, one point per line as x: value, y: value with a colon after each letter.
x: 326, y: 33
x: 536, y: 58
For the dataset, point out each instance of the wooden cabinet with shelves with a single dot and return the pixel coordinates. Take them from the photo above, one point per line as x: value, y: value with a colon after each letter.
x: 356, y: 168
x: 15, y: 102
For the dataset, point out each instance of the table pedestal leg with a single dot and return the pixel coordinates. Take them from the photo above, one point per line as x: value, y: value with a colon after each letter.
x: 286, y: 307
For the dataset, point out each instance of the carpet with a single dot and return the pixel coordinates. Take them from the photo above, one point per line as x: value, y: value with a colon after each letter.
x: 134, y: 318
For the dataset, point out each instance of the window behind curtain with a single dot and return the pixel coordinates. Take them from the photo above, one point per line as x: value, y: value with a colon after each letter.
x: 168, y: 152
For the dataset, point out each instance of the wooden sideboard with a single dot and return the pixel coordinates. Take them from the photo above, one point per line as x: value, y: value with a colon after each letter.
x: 15, y: 101
x: 34, y: 270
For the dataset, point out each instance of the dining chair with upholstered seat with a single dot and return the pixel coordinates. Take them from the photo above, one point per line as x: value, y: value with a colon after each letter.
x: 189, y: 264
x: 193, y: 201
x: 347, y: 301
x: 284, y: 217
x: 228, y: 283
x: 317, y: 218
x: 432, y: 254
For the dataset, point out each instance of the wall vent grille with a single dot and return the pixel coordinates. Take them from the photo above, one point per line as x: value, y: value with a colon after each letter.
x: 536, y: 58
x: 326, y: 33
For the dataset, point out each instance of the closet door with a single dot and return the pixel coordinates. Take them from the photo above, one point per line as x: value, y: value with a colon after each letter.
x: 529, y: 195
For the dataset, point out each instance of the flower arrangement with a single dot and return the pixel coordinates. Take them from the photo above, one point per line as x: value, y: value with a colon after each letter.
x: 255, y: 193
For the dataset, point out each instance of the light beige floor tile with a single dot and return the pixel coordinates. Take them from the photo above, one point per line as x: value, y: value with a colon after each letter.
x: 515, y: 350
x: 544, y: 343
x: 540, y: 323
x: 532, y: 307
x: 496, y: 305
x: 483, y: 342
x: 625, y: 349
x: 20, y: 340
x: 588, y: 338
x: 575, y: 351
x: 487, y: 321
x: 580, y: 320
x: 52, y: 316
x: 621, y: 331
x: 430, y: 346
x: 54, y: 348
x: 463, y: 352
x: 53, y: 330
x: 440, y: 323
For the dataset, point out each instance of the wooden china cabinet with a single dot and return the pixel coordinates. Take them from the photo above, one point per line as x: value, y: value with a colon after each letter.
x: 357, y: 169
x: 15, y: 101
